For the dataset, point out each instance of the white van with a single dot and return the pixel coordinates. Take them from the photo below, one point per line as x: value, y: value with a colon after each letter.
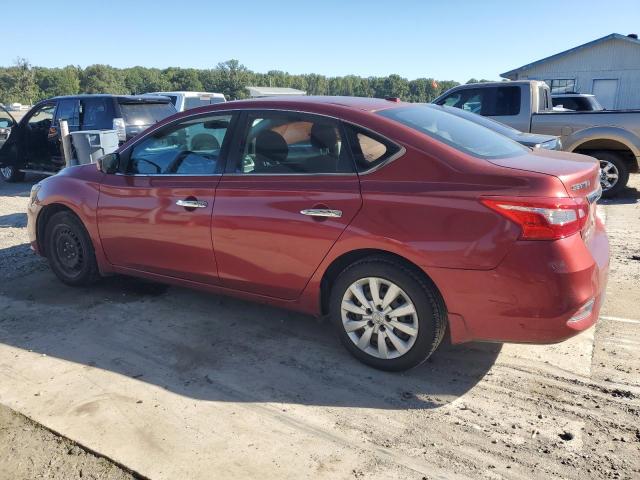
x: 186, y: 100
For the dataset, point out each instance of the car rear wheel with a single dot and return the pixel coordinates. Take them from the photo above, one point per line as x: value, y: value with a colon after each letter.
x: 614, y: 173
x: 386, y: 315
x: 11, y: 174
x: 70, y: 251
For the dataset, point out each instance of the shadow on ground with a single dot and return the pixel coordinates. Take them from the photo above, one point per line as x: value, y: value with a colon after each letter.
x: 217, y: 348
x: 627, y: 196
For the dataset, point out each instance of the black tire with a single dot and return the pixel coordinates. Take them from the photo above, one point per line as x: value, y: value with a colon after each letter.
x: 11, y: 174
x: 69, y: 250
x: 429, y: 306
x: 619, y: 164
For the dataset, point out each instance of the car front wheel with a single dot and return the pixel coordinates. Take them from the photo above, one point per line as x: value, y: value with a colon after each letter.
x: 387, y: 315
x: 70, y: 251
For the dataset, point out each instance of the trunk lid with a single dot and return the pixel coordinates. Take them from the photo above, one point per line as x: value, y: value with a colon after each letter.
x: 579, y: 174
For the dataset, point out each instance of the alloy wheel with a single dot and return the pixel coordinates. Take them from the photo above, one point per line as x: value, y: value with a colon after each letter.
x: 379, y: 317
x: 608, y: 175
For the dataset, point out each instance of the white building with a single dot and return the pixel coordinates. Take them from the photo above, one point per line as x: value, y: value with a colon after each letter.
x: 255, y: 92
x: 608, y: 67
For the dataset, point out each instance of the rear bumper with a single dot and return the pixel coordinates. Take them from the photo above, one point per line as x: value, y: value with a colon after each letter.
x: 532, y: 296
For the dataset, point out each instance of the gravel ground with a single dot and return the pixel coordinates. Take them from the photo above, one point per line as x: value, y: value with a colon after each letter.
x: 282, y: 399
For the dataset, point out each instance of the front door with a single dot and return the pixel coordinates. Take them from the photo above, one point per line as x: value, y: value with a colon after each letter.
x: 289, y: 191
x: 37, y: 148
x: 155, y: 216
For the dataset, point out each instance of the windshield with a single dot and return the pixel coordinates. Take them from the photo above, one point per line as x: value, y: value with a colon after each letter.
x: 145, y: 113
x: 193, y: 102
x: 464, y: 135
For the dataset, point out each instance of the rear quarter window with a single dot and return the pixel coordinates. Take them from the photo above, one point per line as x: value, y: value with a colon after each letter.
x: 368, y: 149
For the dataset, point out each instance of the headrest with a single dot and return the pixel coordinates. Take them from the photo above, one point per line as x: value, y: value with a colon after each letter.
x: 272, y: 145
x: 325, y: 137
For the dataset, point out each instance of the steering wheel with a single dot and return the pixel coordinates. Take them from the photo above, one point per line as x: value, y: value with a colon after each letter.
x: 175, y: 164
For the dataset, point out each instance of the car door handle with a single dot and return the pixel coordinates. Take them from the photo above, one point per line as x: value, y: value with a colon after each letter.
x: 192, y: 203
x: 322, y: 212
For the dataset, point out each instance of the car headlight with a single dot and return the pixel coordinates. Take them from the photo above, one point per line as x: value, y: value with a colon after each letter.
x: 33, y: 196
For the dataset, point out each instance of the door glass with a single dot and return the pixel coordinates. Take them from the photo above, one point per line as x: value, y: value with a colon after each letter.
x: 5, y: 119
x: 68, y: 110
x: 368, y: 149
x: 96, y: 114
x: 190, y: 148
x: 42, y: 118
x: 291, y: 143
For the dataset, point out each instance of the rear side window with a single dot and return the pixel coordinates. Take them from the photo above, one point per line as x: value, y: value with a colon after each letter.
x: 368, y: 149
x: 490, y: 101
x: 284, y: 143
x: 459, y: 133
x: 193, y: 102
x: 96, y: 113
x: 145, y: 113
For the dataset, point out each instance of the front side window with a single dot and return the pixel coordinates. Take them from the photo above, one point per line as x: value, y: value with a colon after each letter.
x: 43, y: 117
x: 191, y: 148
x: 461, y: 134
x: 293, y: 143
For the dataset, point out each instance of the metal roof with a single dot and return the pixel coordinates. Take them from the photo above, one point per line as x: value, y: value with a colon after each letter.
x: 612, y: 36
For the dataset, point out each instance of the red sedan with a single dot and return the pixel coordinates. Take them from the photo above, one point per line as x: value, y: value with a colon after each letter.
x: 400, y: 222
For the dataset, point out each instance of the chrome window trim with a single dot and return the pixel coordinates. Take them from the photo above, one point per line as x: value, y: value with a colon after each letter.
x: 402, y: 150
x: 165, y: 175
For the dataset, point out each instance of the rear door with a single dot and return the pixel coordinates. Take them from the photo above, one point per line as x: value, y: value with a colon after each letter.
x: 155, y: 215
x: 289, y: 191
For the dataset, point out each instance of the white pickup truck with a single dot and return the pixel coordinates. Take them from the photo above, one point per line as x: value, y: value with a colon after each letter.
x: 612, y: 136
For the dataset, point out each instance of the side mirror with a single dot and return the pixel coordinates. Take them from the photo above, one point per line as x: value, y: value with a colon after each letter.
x: 109, y: 164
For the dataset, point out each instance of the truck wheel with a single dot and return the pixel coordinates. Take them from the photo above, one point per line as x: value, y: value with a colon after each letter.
x: 387, y: 316
x: 11, y: 174
x: 614, y: 173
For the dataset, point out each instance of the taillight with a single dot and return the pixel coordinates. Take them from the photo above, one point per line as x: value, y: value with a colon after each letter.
x: 120, y: 127
x: 542, y: 218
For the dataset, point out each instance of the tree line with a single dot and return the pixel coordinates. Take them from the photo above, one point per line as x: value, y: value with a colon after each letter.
x: 28, y: 84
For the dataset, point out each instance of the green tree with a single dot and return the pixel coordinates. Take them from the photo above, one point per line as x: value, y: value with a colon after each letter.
x: 102, y: 79
x: 58, y: 81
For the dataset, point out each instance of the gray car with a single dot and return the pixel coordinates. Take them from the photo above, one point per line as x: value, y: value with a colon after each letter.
x: 531, y: 140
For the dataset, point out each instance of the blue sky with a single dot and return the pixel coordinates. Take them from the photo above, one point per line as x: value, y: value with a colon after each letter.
x: 451, y: 39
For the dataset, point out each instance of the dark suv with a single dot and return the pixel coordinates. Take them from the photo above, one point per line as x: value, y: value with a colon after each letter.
x: 34, y: 144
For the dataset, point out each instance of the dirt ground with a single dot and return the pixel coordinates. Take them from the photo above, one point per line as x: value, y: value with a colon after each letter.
x: 173, y: 383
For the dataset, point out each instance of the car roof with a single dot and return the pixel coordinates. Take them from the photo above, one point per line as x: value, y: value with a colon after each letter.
x: 140, y: 98
x: 365, y: 104
x: 183, y: 92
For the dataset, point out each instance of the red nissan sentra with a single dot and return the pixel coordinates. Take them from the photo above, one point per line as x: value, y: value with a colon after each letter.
x: 398, y: 221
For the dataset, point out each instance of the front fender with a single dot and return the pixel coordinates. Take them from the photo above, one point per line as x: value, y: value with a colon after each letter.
x: 76, y: 189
